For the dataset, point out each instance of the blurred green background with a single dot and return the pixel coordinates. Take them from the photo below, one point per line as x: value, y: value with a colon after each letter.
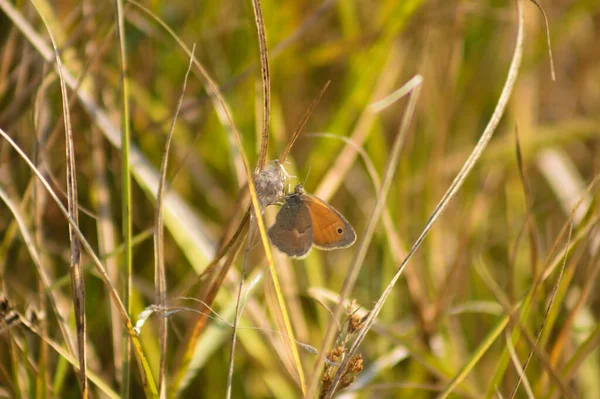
x: 442, y: 309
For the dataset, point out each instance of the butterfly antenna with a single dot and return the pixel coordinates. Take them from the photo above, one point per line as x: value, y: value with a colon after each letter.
x: 307, y: 174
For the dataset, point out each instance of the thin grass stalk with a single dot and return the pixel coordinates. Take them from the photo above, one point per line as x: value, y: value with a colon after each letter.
x: 548, y: 310
x: 237, y: 313
x: 345, y: 160
x: 212, y: 88
x: 234, y: 244
x: 87, y: 68
x: 301, y: 124
x: 210, y: 85
x: 40, y: 268
x: 513, y: 318
x: 525, y: 303
x: 145, y: 372
x: 563, y: 334
x: 361, y: 252
x: 269, y: 255
x: 63, y: 354
x: 39, y: 201
x: 106, y: 231
x: 75, y: 269
x: 583, y: 351
x: 179, y: 217
x: 452, y: 190
x: 225, y: 247
x: 518, y: 367
x: 180, y: 379
x: 530, y: 221
x: 266, y: 83
x: 105, y: 226
x: 160, y: 279
x: 548, y: 41
x: 125, y: 191
x: 523, y: 306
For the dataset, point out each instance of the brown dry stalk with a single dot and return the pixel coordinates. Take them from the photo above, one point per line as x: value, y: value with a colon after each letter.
x: 75, y: 269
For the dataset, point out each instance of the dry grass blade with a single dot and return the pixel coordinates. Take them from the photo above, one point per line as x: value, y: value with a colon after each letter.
x: 54, y: 134
x: 524, y: 304
x: 266, y: 82
x: 242, y: 197
x: 562, y: 336
x: 536, y: 269
x: 212, y: 88
x: 75, y: 269
x: 237, y: 314
x: 345, y: 159
x: 205, y: 317
x: 550, y: 57
x: 240, y: 231
x: 238, y: 236
x: 181, y: 376
x: 389, y: 100
x: 276, y: 284
x: 93, y: 377
x: 126, y: 209
x: 454, y: 187
x: 583, y: 351
x: 301, y: 124
x: 44, y: 276
x: 146, y: 373
x: 107, y: 238
x: 234, y: 245
x: 514, y: 318
x: 185, y: 226
x: 549, y: 364
x: 361, y: 253
x: 520, y: 370
x: 397, y: 249
x: 531, y: 229
x: 160, y: 280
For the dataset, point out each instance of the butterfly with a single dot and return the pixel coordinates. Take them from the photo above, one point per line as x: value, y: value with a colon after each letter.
x: 305, y: 221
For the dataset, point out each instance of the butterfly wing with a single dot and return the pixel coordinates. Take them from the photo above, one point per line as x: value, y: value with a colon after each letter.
x: 330, y: 229
x: 292, y: 232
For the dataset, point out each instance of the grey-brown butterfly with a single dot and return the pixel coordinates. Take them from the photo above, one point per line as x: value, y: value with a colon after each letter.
x: 305, y: 221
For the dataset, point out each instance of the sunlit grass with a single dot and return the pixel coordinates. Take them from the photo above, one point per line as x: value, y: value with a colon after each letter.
x: 500, y: 297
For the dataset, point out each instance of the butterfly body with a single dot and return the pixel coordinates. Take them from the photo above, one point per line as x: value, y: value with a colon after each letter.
x: 305, y: 221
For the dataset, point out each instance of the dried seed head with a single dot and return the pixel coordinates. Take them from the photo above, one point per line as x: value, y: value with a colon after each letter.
x: 339, y: 351
x: 325, y: 384
x: 346, y: 381
x: 270, y: 183
x: 335, y: 354
x: 355, y: 366
x: 354, y: 324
